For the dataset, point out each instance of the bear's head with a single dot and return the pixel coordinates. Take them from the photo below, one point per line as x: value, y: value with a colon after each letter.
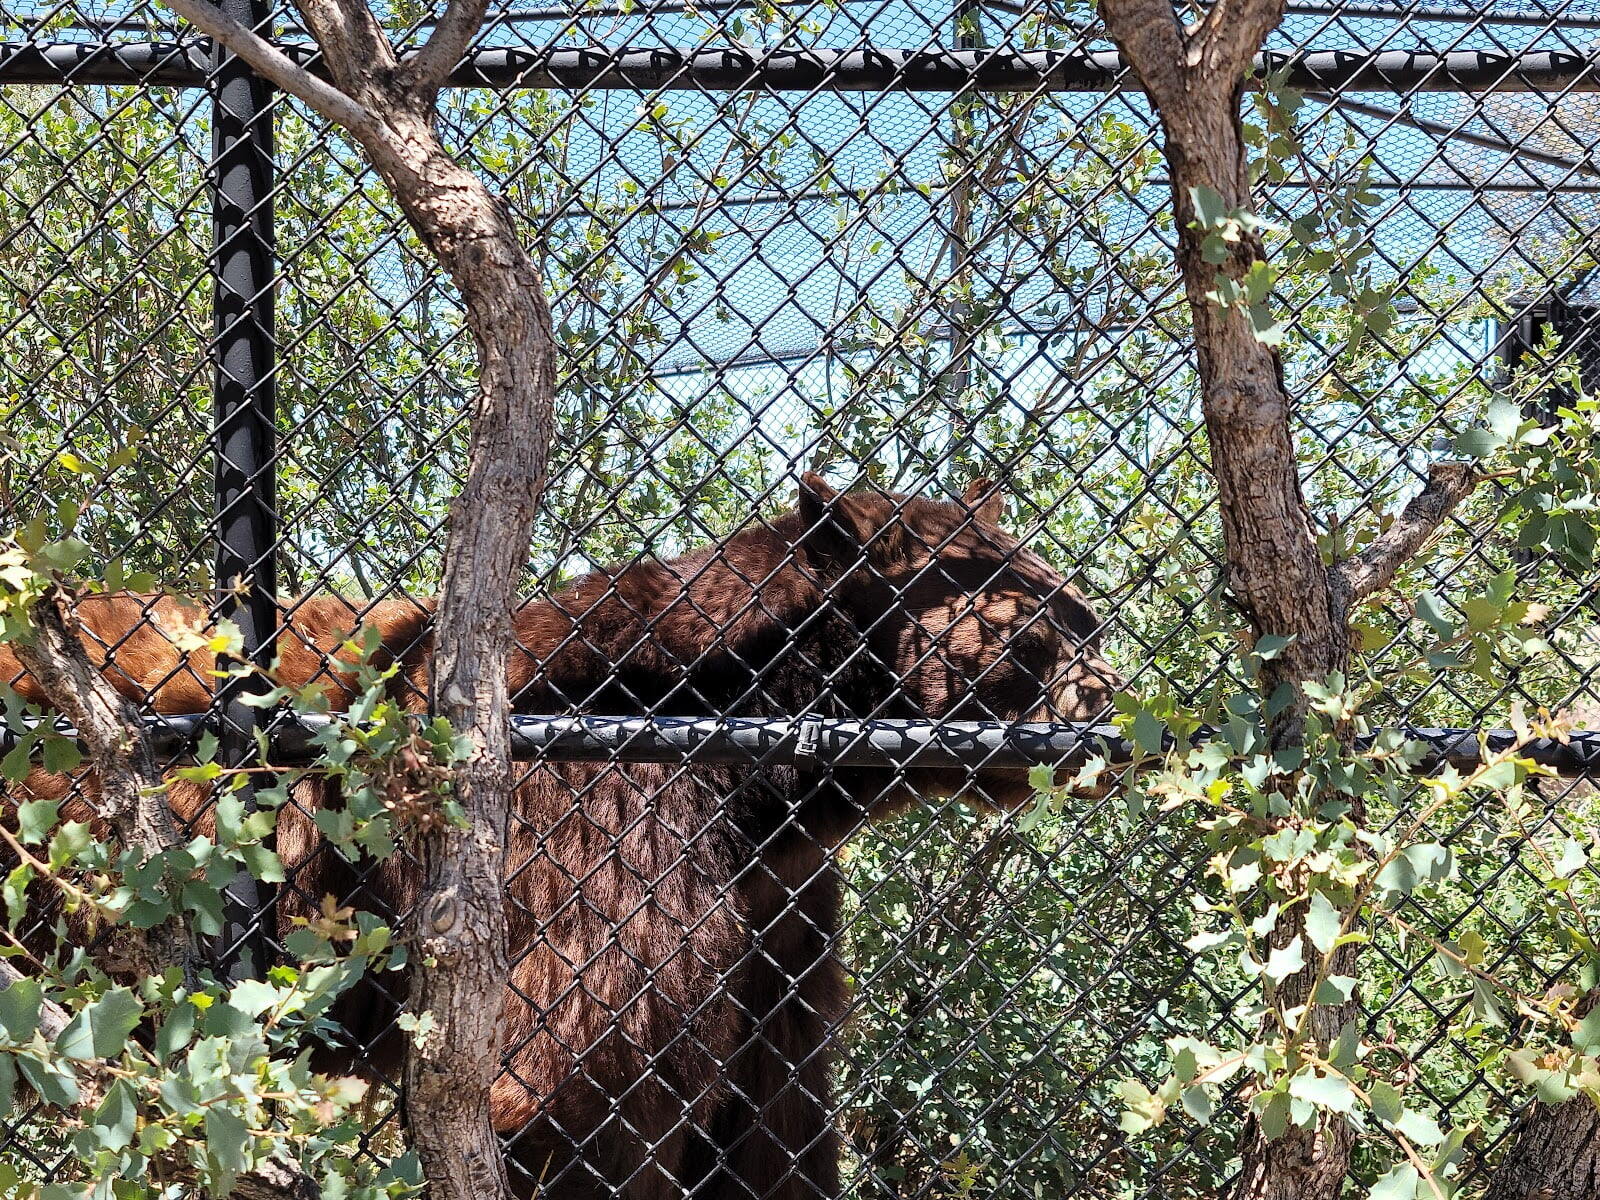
x: 972, y: 624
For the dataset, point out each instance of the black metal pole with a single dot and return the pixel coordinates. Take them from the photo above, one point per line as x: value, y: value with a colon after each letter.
x: 245, y: 402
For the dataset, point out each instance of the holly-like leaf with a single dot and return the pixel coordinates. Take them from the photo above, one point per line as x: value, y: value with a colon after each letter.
x: 101, y: 1029
x: 1477, y: 443
x: 1322, y: 923
x: 36, y: 819
x: 116, y: 1119
x: 19, y: 1008
x: 227, y: 1146
x: 1336, y: 989
x: 1399, y: 1183
x: 1285, y: 961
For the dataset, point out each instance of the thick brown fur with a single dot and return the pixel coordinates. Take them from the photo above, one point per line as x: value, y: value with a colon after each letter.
x: 673, y: 931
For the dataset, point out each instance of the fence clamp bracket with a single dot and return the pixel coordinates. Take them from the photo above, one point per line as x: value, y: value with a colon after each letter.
x: 808, y: 738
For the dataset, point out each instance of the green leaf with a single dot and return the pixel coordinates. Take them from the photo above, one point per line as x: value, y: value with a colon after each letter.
x: 1331, y: 1092
x: 1210, y: 210
x: 1420, y: 1128
x: 1477, y: 443
x: 1267, y: 330
x: 264, y: 865
x: 101, y: 1030
x: 1426, y: 862
x: 115, y: 1121
x: 1285, y: 961
x: 1210, y: 939
x: 16, y: 765
x: 1142, y: 1108
x: 254, y: 996
x: 175, y: 1031
x: 1274, y: 1116
x: 71, y: 840
x: 1387, y: 1104
x: 1498, y: 777
x: 54, y: 1085
x: 1147, y: 731
x: 1197, y: 1103
x: 1271, y: 645
x: 1336, y: 989
x: 15, y: 893
x: 1431, y: 611
x: 1322, y: 923
x: 19, y: 1008
x: 1504, y: 417
x: 36, y: 819
x: 1574, y: 857
x: 1399, y: 1183
x: 227, y: 1145
x: 61, y: 754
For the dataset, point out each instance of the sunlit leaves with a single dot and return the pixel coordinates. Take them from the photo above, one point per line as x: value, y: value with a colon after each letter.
x: 1322, y: 922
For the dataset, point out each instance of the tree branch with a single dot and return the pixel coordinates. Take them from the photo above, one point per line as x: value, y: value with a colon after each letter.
x: 452, y: 37
x: 131, y: 799
x: 1152, y: 41
x: 355, y: 47
x: 1354, y: 579
x: 278, y: 68
x: 1231, y: 34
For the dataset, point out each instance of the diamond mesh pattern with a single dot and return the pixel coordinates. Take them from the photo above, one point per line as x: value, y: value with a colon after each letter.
x: 909, y: 288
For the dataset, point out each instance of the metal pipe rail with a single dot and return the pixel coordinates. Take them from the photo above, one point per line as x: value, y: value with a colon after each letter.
x: 834, y: 742
x: 188, y: 63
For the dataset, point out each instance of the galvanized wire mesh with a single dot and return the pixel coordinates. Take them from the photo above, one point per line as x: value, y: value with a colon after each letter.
x: 756, y: 272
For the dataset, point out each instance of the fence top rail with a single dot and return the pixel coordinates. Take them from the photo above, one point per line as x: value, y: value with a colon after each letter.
x: 188, y: 63
x: 836, y: 742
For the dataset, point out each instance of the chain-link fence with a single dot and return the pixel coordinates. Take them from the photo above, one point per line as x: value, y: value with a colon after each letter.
x: 905, y: 246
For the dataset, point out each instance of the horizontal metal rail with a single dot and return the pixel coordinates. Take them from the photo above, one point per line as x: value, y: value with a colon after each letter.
x: 1461, y: 14
x: 187, y: 63
x: 837, y: 742
x: 643, y: 11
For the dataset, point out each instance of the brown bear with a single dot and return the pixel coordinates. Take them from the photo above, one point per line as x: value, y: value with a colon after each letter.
x: 675, y: 984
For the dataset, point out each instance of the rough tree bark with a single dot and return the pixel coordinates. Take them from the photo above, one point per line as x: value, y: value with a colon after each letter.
x: 1553, y: 1150
x: 109, y: 727
x: 387, y: 103
x: 130, y: 797
x: 1554, y: 1154
x: 1194, y: 77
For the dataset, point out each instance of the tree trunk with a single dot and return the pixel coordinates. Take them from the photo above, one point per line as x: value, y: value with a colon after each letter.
x: 1554, y: 1154
x: 1194, y: 78
x: 460, y: 921
x: 460, y: 961
x: 1554, y: 1150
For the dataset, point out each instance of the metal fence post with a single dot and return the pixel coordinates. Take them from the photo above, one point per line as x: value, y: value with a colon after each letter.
x: 245, y: 401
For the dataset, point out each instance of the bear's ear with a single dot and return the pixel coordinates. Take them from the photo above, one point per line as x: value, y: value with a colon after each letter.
x: 833, y: 524
x: 984, y: 500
